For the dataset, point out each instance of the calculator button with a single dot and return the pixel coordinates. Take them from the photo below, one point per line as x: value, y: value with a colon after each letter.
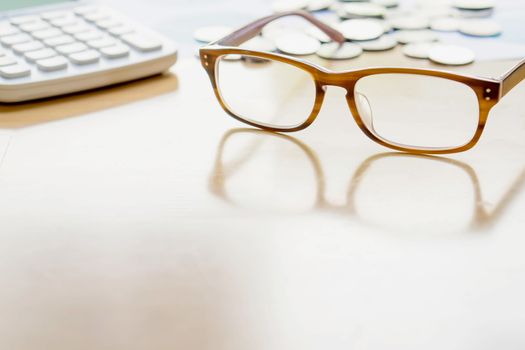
x: 15, y: 71
x: 52, y: 64
x: 23, y: 19
x: 34, y: 26
x: 90, y: 35
x: 86, y: 57
x: 84, y: 10
x: 141, y: 42
x: 96, y: 16
x: 8, y: 30
x: 54, y: 15
x: 100, y: 43
x: 15, y: 39
x: 76, y: 28
x: 47, y: 33
x: 26, y: 47
x: 121, y: 30
x: 6, y: 61
x: 71, y: 48
x: 34, y: 56
x: 116, y: 51
x: 108, y: 23
x: 59, y: 40
x: 65, y: 21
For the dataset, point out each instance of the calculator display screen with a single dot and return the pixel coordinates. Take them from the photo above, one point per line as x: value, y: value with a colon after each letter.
x: 6, y: 5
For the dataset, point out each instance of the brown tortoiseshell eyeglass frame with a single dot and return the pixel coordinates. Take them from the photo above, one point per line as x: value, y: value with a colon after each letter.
x: 488, y: 91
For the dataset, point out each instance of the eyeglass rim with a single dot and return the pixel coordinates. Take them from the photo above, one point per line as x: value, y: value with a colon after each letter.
x: 487, y: 91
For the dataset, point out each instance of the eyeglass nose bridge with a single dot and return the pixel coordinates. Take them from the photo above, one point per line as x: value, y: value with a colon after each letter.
x: 346, y: 81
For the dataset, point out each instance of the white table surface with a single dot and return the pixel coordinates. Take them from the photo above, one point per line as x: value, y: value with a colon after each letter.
x: 142, y: 217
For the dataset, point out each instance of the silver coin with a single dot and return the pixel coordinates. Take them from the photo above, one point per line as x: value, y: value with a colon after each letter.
x: 317, y: 33
x: 336, y: 51
x: 361, y: 29
x: 434, y: 10
x: 415, y: 36
x: 386, y: 42
x: 451, y: 55
x: 385, y: 24
x: 410, y: 22
x: 319, y: 5
x: 211, y: 33
x: 417, y: 50
x: 341, y: 13
x: 297, y: 44
x: 474, y: 4
x: 480, y: 27
x: 386, y: 3
x: 398, y: 12
x: 274, y: 30
x: 364, y: 9
x: 445, y: 24
x: 289, y: 5
x: 474, y: 14
x: 259, y: 43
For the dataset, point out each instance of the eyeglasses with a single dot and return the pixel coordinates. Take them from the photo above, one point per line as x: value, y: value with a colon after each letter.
x: 406, y: 109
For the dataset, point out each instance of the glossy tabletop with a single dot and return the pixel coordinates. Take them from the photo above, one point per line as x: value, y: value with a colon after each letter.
x: 141, y: 216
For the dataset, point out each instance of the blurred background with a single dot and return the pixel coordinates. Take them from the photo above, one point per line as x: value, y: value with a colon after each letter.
x: 180, y: 18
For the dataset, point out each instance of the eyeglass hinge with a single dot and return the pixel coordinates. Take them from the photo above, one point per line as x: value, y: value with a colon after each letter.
x: 489, y: 93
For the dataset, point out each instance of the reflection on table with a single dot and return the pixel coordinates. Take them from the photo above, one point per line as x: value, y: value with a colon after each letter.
x: 392, y: 191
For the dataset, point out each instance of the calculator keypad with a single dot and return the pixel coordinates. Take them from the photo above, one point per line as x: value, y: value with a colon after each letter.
x: 52, y: 64
x: 15, y: 71
x: 54, y: 40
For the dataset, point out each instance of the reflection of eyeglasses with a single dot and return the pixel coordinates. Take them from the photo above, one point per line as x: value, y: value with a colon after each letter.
x: 415, y: 110
x: 483, y: 218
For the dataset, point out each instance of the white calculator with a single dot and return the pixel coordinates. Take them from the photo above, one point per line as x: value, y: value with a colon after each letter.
x: 55, y: 47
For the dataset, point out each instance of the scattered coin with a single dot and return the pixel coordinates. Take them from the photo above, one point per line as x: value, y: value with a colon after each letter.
x: 319, y: 5
x: 410, y: 22
x: 385, y: 24
x: 361, y: 29
x: 289, y: 5
x: 474, y: 4
x: 366, y: 23
x: 341, y: 13
x: 364, y: 9
x: 386, y: 42
x: 318, y: 34
x: 259, y: 43
x: 297, y: 44
x: 274, y: 30
x: 480, y: 27
x: 475, y: 13
x: 451, y: 55
x: 398, y: 12
x: 417, y: 50
x: 386, y: 3
x: 336, y: 51
x: 445, y: 24
x: 211, y: 33
x: 435, y: 10
x: 415, y: 36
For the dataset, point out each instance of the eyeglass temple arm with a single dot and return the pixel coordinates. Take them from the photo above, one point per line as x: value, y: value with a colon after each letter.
x: 513, y: 78
x: 251, y: 30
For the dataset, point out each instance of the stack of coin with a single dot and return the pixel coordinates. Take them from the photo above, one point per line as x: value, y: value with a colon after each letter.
x: 374, y: 25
